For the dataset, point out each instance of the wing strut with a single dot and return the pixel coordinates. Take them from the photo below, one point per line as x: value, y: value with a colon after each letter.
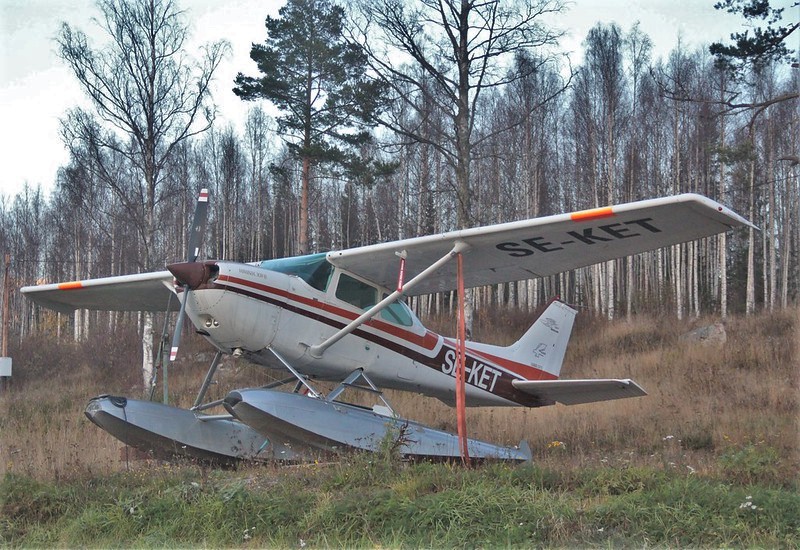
x: 300, y: 377
x: 317, y: 350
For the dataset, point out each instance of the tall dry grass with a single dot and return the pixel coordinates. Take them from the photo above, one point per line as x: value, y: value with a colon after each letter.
x: 704, y: 400
x: 44, y: 433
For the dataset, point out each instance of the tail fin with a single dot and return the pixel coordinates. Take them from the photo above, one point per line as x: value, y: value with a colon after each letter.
x: 544, y: 344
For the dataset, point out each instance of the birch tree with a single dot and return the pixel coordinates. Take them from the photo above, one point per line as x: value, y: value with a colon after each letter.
x: 453, y: 52
x: 146, y: 89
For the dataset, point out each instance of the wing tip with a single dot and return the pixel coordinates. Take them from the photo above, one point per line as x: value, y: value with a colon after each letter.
x: 633, y: 385
x: 719, y: 207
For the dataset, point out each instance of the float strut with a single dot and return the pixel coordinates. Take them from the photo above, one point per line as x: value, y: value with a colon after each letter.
x: 207, y: 382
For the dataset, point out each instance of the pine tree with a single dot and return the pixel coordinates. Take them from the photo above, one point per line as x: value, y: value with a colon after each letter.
x: 316, y: 79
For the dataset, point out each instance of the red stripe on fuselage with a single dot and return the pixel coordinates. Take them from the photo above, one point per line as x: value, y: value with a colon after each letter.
x: 525, y: 371
x: 428, y: 341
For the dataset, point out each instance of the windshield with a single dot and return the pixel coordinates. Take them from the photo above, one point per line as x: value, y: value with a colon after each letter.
x: 313, y: 269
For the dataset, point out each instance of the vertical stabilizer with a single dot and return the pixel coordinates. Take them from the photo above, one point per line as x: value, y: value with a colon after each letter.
x: 544, y: 344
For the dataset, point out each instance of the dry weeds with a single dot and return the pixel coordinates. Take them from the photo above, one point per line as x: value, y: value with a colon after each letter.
x: 703, y: 401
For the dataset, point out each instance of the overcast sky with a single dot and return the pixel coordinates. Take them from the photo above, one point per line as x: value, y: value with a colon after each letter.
x: 36, y: 88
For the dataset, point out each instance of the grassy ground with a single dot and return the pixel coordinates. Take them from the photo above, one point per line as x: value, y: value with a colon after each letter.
x: 718, y: 430
x: 372, y: 502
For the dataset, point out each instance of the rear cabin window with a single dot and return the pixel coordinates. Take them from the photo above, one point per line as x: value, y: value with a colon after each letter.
x: 397, y: 313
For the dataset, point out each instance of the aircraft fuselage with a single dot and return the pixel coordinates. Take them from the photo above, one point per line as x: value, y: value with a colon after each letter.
x: 249, y: 308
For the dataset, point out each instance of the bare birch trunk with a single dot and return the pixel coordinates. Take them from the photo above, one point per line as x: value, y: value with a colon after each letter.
x: 610, y: 280
x: 771, y: 234
x: 597, y: 288
x: 786, y: 241
x: 677, y: 276
x: 629, y: 287
x: 695, y: 265
x: 676, y: 250
x: 723, y: 275
x: 765, y: 263
x: 722, y: 239
x: 750, y: 300
x: 146, y: 319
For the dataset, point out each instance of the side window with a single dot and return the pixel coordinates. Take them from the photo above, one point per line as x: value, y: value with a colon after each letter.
x: 398, y: 314
x: 355, y: 292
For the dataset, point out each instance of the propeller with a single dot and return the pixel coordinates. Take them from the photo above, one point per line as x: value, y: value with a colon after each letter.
x: 184, y: 272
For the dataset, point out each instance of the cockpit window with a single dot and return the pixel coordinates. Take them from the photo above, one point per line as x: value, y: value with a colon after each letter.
x: 314, y: 269
x: 355, y: 292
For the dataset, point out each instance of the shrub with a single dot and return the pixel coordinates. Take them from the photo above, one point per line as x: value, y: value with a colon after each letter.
x: 751, y: 463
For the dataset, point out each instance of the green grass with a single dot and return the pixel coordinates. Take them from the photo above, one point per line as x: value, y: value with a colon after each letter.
x: 363, y: 502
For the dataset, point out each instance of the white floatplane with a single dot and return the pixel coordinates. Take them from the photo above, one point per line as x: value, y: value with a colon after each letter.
x: 340, y: 316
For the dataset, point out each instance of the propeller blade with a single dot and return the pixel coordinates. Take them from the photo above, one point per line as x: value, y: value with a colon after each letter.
x: 198, y: 226
x: 176, y: 336
x: 190, y: 274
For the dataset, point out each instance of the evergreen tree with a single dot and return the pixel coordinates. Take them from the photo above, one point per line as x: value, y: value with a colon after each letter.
x: 317, y: 80
x: 765, y: 44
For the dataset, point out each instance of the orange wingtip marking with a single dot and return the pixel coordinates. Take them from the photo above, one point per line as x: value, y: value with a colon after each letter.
x: 70, y: 286
x: 593, y: 214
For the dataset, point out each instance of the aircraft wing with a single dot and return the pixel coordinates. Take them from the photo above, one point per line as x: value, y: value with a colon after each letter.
x: 543, y: 246
x: 141, y: 292
x: 575, y: 392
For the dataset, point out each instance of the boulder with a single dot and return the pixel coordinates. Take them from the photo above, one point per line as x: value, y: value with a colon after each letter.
x: 711, y: 334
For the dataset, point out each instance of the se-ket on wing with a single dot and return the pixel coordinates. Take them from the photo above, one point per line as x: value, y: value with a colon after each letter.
x: 545, y: 246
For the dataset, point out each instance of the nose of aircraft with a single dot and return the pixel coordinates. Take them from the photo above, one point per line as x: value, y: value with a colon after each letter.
x: 193, y: 274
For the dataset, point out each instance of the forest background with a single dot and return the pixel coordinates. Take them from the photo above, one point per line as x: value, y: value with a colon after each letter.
x: 544, y: 138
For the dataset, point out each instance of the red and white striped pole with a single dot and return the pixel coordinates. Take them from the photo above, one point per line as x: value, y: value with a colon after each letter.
x: 461, y: 360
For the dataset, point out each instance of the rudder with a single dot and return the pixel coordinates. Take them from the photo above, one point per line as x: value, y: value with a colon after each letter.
x: 544, y: 344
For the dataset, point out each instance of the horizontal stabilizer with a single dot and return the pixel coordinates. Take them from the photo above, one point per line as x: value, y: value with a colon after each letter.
x: 575, y: 392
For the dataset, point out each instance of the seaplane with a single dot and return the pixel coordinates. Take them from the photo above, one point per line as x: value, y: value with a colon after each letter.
x: 340, y: 317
